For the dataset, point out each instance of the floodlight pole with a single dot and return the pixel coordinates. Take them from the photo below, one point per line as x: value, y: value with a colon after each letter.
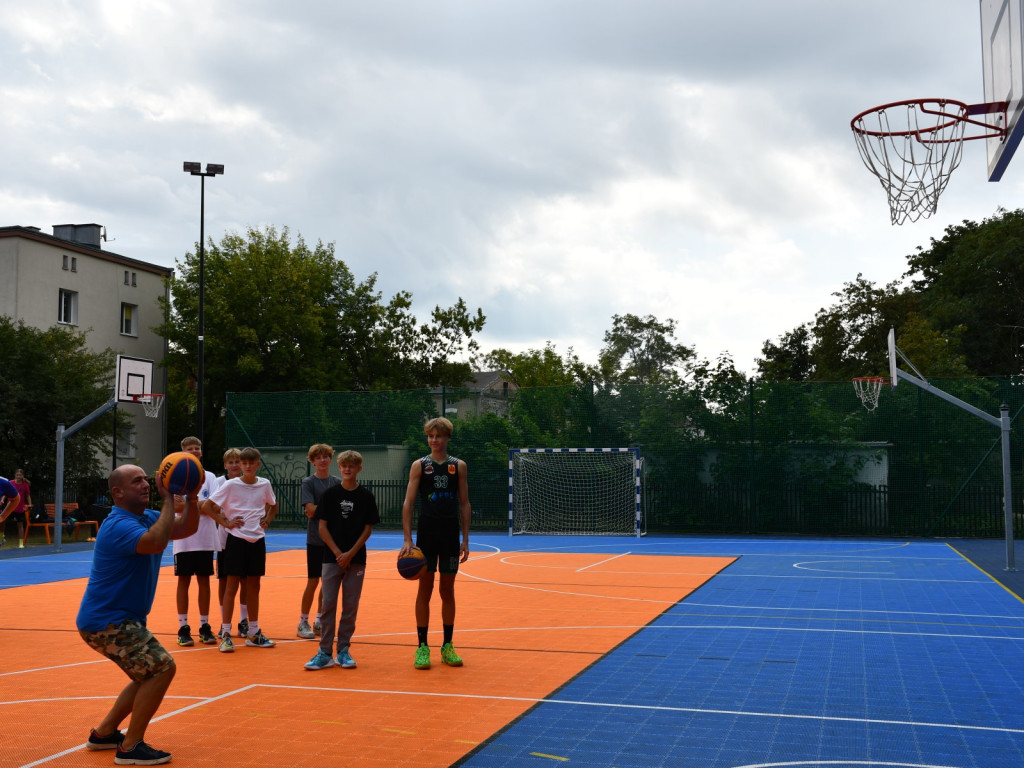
x: 1003, y: 423
x: 212, y: 169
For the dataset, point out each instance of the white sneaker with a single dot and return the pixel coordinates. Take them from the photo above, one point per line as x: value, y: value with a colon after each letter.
x: 305, y: 631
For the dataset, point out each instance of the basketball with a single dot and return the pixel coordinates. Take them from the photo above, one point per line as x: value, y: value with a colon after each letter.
x: 412, y: 563
x: 180, y: 473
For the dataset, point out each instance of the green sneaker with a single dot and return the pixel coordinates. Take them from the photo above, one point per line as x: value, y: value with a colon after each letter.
x: 449, y: 656
x: 422, y: 657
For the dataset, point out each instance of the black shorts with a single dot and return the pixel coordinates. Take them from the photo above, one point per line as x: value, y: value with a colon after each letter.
x: 193, y: 563
x: 315, y: 560
x: 244, y: 558
x: 441, y: 543
x: 18, y: 516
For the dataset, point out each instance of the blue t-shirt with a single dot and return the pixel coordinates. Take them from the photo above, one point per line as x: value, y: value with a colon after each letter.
x: 7, y: 491
x: 122, y: 583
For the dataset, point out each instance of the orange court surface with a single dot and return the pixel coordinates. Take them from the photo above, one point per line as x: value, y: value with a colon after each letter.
x: 527, y: 623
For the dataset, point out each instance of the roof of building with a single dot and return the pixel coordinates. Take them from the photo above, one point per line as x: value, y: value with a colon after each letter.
x: 35, y: 234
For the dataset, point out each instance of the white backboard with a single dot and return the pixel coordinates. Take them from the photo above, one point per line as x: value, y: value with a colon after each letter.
x: 1002, y: 59
x: 134, y: 377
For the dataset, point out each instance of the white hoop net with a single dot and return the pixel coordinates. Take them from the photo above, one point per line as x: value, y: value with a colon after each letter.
x: 912, y: 147
x: 151, y: 404
x: 868, y: 388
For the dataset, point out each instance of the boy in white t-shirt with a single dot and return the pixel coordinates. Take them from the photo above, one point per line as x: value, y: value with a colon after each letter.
x: 193, y: 556
x: 249, y: 506
x: 232, y: 469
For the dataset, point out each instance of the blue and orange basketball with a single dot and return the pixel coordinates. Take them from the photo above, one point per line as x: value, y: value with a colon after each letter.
x: 180, y: 473
x: 412, y: 564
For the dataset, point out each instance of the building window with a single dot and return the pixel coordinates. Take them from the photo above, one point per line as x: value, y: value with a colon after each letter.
x: 129, y: 320
x: 67, y: 309
x: 74, y: 263
x: 64, y: 265
x: 126, y: 273
x: 126, y: 441
x: 133, y: 279
x: 129, y: 278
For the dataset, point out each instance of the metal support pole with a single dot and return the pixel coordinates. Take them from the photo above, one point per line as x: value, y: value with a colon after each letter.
x: 1004, y: 427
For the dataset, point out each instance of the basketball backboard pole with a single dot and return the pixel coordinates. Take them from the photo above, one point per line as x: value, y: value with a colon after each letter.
x: 1002, y: 422
x: 58, y: 492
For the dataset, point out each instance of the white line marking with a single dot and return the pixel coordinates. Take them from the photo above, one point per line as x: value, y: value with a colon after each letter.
x: 602, y: 562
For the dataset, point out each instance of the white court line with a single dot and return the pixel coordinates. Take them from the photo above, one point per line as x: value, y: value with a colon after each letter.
x: 602, y: 562
x: 565, y: 702
x: 860, y: 611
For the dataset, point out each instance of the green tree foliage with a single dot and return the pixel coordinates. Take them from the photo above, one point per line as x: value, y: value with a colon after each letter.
x: 642, y: 351
x: 971, y: 283
x: 542, y: 367
x: 281, y: 316
x: 48, y: 378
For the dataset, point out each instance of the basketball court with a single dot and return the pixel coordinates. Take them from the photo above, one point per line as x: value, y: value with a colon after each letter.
x: 589, y: 651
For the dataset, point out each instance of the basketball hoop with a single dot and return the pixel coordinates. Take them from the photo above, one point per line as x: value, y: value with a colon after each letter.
x: 150, y: 403
x: 913, y: 146
x: 868, y: 388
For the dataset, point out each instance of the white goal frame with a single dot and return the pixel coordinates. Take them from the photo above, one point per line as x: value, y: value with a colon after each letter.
x: 541, y: 516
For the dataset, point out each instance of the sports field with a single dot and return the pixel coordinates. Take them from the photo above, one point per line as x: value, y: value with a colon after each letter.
x: 580, y: 651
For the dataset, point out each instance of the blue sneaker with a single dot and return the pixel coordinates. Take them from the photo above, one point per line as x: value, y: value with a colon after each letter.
x: 141, y: 754
x: 320, y: 661
x: 345, y: 661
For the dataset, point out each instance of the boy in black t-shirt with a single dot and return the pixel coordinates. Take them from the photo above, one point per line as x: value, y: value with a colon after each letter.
x: 346, y: 514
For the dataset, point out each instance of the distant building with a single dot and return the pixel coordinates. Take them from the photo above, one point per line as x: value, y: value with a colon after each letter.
x: 486, y: 392
x: 67, y: 279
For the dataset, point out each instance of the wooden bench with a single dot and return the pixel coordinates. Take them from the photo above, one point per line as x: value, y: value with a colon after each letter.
x: 46, y: 525
x: 51, y: 512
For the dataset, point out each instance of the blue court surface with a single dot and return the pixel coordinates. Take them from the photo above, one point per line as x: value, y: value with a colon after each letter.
x: 803, y: 652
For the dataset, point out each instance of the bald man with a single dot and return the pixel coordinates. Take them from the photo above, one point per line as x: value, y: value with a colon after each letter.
x: 116, y: 604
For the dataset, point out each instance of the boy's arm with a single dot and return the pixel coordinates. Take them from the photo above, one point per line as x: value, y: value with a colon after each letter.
x: 271, y: 513
x: 415, y: 472
x: 465, y: 511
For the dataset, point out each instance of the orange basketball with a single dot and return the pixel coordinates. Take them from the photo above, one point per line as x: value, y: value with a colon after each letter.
x: 180, y: 473
x: 412, y: 563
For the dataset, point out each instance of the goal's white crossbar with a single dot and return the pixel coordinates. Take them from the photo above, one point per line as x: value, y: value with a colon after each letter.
x: 636, y: 512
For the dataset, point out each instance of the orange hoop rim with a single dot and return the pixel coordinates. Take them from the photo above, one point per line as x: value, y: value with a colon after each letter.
x: 961, y: 114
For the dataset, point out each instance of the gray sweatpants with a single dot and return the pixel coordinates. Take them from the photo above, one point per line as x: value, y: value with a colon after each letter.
x: 349, y: 582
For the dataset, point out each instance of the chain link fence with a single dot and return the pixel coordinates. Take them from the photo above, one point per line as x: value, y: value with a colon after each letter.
x: 766, y: 458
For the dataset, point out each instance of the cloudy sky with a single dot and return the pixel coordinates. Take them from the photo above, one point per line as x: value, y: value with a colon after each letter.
x: 553, y: 162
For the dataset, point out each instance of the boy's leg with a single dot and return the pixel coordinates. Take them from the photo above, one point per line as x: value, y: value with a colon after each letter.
x: 227, y: 603
x: 446, y: 591
x: 252, y: 588
x: 351, y: 590
x: 329, y: 586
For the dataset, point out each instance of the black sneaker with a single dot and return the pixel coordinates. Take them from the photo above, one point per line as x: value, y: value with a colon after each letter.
x: 243, y: 628
x: 113, y: 741
x: 141, y: 754
x: 206, y: 635
x: 185, y: 636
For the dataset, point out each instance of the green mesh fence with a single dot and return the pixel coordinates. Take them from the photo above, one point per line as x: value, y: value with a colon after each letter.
x: 780, y: 457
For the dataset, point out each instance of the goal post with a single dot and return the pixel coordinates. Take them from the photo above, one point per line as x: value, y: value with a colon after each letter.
x: 574, y: 491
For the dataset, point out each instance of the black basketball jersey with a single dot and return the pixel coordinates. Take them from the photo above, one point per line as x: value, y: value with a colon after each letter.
x: 439, y: 488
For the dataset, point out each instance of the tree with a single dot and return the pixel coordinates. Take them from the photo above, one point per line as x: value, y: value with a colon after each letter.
x: 285, y: 317
x: 542, y: 367
x: 971, y: 283
x: 642, y: 350
x: 48, y: 378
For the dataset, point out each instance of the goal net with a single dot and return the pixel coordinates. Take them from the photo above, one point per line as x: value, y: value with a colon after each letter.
x: 578, y: 491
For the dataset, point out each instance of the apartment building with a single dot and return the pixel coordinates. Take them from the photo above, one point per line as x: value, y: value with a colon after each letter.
x: 68, y: 279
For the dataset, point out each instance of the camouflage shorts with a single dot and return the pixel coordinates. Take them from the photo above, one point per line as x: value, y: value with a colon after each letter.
x: 132, y: 647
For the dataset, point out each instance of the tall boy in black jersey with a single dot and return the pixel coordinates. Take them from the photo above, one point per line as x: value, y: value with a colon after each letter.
x: 441, y: 482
